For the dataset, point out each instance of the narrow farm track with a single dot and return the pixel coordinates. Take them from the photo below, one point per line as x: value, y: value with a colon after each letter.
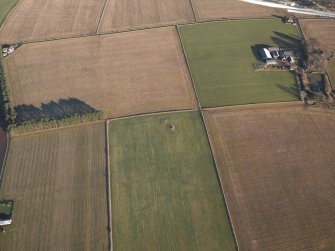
x: 109, y: 193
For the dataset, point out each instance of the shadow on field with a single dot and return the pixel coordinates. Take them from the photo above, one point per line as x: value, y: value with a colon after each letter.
x: 52, y: 110
x: 293, y: 90
x: 280, y: 17
x: 286, y: 41
x: 255, y: 48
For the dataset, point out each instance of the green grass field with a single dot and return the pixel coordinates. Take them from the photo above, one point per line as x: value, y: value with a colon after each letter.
x: 5, y: 7
x: 220, y: 56
x: 165, y: 192
x: 58, y: 184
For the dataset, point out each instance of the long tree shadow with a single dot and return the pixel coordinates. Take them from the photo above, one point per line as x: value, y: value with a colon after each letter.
x: 28, y: 113
x: 291, y: 38
x: 293, y: 90
x: 285, y: 40
x: 52, y: 110
x: 75, y: 106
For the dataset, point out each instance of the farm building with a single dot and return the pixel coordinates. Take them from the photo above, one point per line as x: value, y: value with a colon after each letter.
x: 7, y: 49
x: 5, y: 219
x: 271, y: 62
x: 6, y: 208
x: 278, y: 56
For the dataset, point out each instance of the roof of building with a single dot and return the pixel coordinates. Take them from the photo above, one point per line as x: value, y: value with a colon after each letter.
x: 265, y: 53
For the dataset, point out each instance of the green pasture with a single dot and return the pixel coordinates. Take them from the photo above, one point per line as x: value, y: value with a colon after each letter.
x: 165, y: 192
x: 221, y: 57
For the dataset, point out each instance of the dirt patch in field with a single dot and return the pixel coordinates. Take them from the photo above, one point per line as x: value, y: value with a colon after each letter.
x: 47, y: 19
x: 218, y: 9
x: 131, y: 14
x: 276, y: 164
x: 320, y: 29
x: 58, y: 183
x: 121, y: 74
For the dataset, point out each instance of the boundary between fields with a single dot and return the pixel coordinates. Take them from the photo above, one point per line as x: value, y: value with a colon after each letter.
x: 2, y: 173
x: 300, y: 30
x: 195, y: 16
x: 188, y: 68
x: 203, y: 119
x: 254, y: 105
x: 109, y: 190
x: 151, y: 113
x: 101, y: 16
x: 59, y: 128
x: 230, y: 219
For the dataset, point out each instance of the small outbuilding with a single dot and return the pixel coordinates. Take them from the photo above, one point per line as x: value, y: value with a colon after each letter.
x: 5, y: 219
x: 271, y: 62
x: 7, y: 49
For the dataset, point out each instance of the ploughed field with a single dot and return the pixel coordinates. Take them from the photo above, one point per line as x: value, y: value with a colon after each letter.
x: 276, y: 163
x: 221, y: 57
x: 121, y: 74
x: 321, y: 29
x: 47, y: 19
x: 58, y: 183
x: 134, y: 14
x: 165, y: 192
x: 218, y: 9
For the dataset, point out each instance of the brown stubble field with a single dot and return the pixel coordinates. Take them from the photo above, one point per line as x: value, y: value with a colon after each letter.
x: 58, y: 182
x: 321, y: 29
x: 134, y: 14
x: 47, y: 19
x: 219, y: 9
x: 121, y: 74
x: 276, y: 164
